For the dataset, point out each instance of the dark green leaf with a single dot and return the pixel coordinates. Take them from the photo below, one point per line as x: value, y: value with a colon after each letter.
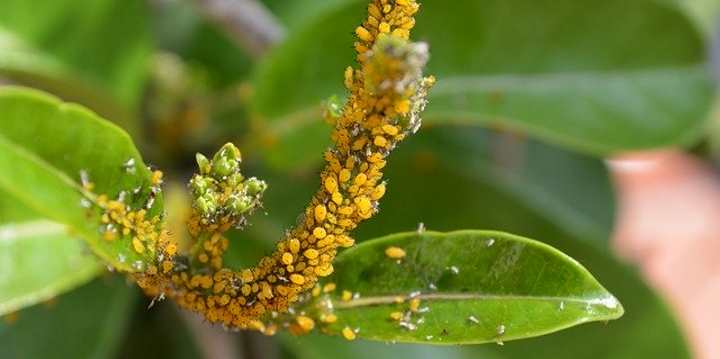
x: 555, y: 70
x: 474, y: 287
x: 46, y: 144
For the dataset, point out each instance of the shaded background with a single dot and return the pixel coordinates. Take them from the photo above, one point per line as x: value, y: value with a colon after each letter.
x: 533, y: 98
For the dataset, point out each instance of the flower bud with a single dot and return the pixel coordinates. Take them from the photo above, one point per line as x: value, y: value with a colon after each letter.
x: 255, y: 186
x: 203, y: 163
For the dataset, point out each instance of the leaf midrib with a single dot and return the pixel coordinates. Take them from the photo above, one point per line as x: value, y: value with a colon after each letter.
x: 366, y: 301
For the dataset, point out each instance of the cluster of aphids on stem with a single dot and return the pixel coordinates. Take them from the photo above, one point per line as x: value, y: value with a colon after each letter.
x: 387, y: 93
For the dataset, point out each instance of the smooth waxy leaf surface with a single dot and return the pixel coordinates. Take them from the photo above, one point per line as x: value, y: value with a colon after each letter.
x: 39, y: 260
x: 45, y: 145
x: 584, y: 88
x: 473, y: 287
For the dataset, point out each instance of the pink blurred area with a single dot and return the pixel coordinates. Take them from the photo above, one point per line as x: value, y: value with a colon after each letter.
x: 669, y: 225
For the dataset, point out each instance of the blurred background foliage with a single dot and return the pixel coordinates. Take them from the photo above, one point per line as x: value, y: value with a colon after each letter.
x: 531, y: 96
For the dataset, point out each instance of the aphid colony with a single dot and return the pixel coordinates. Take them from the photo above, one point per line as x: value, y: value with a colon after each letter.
x: 387, y: 93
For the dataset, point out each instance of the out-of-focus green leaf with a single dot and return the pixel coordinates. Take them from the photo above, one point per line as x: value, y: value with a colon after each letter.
x: 474, y: 287
x: 85, y: 323
x: 46, y: 144
x: 39, y: 260
x: 158, y: 332
x: 326, y: 347
x: 106, y: 43
x: 588, y: 75
x: 24, y: 64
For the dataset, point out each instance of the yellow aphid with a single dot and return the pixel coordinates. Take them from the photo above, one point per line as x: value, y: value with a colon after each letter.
x: 337, y: 198
x: 270, y: 330
x: 374, y: 11
x: 414, y: 304
x: 378, y: 192
x: 395, y: 252
x: 346, y: 296
x: 344, y: 175
x: 345, y: 241
x: 294, y: 245
x: 363, y: 204
x: 171, y: 249
x: 320, y: 212
x: 380, y: 141
x: 390, y: 130
x: 402, y: 107
x: 348, y: 333
x: 297, y: 278
x: 287, y: 258
x: 346, y: 210
x: 203, y: 258
x: 311, y: 253
x: 330, y: 184
x: 384, y: 27
x: 167, y: 266
x: 156, y: 178
x: 363, y: 34
x: 349, y: 77
x: 306, y: 323
x: 319, y: 232
x: 328, y: 318
x: 324, y: 270
x: 247, y: 276
x: 329, y: 287
x: 396, y: 316
x: 360, y: 179
x: 257, y: 325
x: 138, y: 245
x: 316, y: 291
x: 109, y: 235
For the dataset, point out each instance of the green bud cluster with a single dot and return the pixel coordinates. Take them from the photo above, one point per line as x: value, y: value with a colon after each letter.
x: 219, y: 190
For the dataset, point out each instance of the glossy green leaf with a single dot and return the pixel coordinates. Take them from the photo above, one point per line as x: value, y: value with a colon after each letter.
x: 105, y: 43
x: 454, y: 177
x: 46, y: 144
x: 86, y: 323
x: 557, y: 71
x: 39, y: 260
x: 458, y: 186
x: 474, y: 287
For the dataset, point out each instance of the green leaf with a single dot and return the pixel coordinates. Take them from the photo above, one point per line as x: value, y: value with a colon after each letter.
x: 39, y: 260
x: 474, y: 287
x: 24, y: 64
x: 449, y: 187
x: 87, y: 323
x: 46, y: 144
x: 554, y: 70
x: 107, y: 43
x: 454, y: 177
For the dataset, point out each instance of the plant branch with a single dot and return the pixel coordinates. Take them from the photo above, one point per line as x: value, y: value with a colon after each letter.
x: 249, y: 23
